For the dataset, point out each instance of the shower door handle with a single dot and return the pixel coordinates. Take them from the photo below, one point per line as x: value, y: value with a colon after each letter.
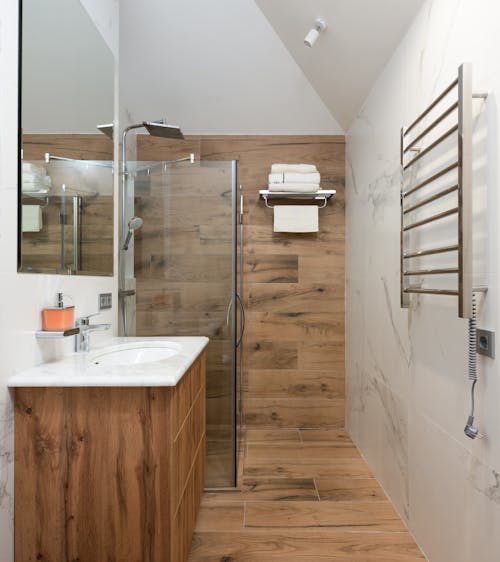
x: 242, y: 319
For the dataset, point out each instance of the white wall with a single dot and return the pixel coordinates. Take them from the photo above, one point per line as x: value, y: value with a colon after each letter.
x: 67, y: 68
x: 214, y: 68
x: 23, y: 296
x: 347, y: 58
x: 407, y: 388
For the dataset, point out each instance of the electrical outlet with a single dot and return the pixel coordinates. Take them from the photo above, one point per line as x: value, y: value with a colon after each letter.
x: 105, y: 301
x: 485, y: 343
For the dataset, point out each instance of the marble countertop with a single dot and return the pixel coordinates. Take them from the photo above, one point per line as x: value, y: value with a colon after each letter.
x: 78, y: 369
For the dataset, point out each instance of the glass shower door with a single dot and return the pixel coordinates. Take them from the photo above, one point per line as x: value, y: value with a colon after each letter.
x: 185, y: 270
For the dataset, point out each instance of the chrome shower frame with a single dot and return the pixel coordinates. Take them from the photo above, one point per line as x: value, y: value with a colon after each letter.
x: 158, y: 128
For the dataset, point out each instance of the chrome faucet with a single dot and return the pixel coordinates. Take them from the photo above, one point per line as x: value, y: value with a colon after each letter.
x: 82, y: 342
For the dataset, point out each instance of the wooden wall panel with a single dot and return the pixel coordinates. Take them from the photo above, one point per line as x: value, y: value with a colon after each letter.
x: 79, y: 147
x: 41, y: 250
x: 294, y: 283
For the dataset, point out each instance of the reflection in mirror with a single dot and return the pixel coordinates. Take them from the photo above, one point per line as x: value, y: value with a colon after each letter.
x: 66, y: 171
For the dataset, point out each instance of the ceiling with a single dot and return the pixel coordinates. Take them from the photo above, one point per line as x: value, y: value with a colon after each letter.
x: 347, y: 58
x: 213, y: 67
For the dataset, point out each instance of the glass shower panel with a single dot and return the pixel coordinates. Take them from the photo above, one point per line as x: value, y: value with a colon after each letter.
x: 185, y: 259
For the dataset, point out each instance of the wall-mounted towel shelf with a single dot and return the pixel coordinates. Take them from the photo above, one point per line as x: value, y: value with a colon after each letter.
x: 320, y: 195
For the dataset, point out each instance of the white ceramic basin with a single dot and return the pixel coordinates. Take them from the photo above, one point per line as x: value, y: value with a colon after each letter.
x: 135, y: 354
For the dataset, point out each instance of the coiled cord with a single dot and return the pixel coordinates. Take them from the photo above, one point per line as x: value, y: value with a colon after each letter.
x: 469, y: 430
x: 472, y: 342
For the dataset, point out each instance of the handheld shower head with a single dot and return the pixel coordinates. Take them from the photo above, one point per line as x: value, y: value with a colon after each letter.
x: 133, y: 224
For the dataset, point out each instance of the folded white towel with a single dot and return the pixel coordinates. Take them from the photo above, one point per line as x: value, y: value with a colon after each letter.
x: 32, y: 218
x: 293, y: 168
x: 30, y: 168
x: 295, y: 218
x: 276, y: 178
x: 295, y: 187
x: 29, y: 176
x: 32, y: 186
x: 295, y: 178
x: 40, y: 184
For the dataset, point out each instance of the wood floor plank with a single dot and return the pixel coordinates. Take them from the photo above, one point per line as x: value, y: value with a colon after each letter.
x: 266, y: 489
x: 334, y: 468
x: 293, y: 412
x: 337, y: 436
x: 350, y: 489
x: 276, y: 516
x: 272, y: 435
x: 279, y: 489
x: 303, y: 454
x: 355, y: 516
x: 220, y: 516
x: 304, y: 546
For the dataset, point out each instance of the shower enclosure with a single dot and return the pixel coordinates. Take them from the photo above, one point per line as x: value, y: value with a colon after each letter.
x: 185, y: 269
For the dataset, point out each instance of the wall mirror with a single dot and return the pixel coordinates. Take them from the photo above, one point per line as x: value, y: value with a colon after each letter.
x: 66, y: 163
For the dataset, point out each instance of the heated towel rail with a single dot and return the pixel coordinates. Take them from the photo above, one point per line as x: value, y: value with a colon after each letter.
x: 413, y: 149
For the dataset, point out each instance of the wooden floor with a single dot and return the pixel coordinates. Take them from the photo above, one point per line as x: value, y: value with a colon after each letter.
x: 305, y: 495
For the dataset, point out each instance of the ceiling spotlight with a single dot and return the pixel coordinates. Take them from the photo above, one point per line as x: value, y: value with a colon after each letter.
x: 312, y: 36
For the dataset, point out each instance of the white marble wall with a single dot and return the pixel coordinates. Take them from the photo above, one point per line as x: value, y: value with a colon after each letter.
x: 407, y: 389
x: 23, y: 296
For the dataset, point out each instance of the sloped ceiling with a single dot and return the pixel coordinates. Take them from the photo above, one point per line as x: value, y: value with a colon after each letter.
x: 347, y: 58
x: 214, y: 67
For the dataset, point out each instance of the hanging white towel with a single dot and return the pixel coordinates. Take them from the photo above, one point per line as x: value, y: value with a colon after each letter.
x: 293, y: 168
x: 295, y: 218
x: 295, y: 187
x: 32, y: 218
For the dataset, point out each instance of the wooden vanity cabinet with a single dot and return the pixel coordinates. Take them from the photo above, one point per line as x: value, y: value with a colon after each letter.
x: 109, y: 474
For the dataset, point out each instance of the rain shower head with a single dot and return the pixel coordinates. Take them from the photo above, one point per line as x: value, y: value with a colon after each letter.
x: 107, y: 130
x: 133, y: 224
x: 162, y: 129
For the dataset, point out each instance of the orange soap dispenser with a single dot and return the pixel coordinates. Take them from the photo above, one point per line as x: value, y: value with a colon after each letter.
x: 58, y: 318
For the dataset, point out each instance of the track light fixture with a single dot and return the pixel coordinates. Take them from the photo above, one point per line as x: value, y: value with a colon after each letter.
x: 312, y: 36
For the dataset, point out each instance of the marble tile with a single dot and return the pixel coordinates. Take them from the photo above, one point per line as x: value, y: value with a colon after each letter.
x: 407, y: 393
x: 450, y: 485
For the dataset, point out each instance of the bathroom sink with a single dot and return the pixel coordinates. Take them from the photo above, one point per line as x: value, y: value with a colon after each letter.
x: 139, y: 353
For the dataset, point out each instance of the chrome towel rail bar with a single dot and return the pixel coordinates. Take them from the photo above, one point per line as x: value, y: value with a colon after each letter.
x: 432, y: 291
x: 429, y: 180
x: 431, y: 271
x: 430, y: 199
x: 433, y: 145
x: 433, y: 218
x: 430, y: 252
x: 431, y: 106
x: 431, y: 126
x: 460, y: 184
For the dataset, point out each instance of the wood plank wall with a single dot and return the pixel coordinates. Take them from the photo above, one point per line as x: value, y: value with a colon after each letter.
x: 294, y: 283
x: 41, y: 250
